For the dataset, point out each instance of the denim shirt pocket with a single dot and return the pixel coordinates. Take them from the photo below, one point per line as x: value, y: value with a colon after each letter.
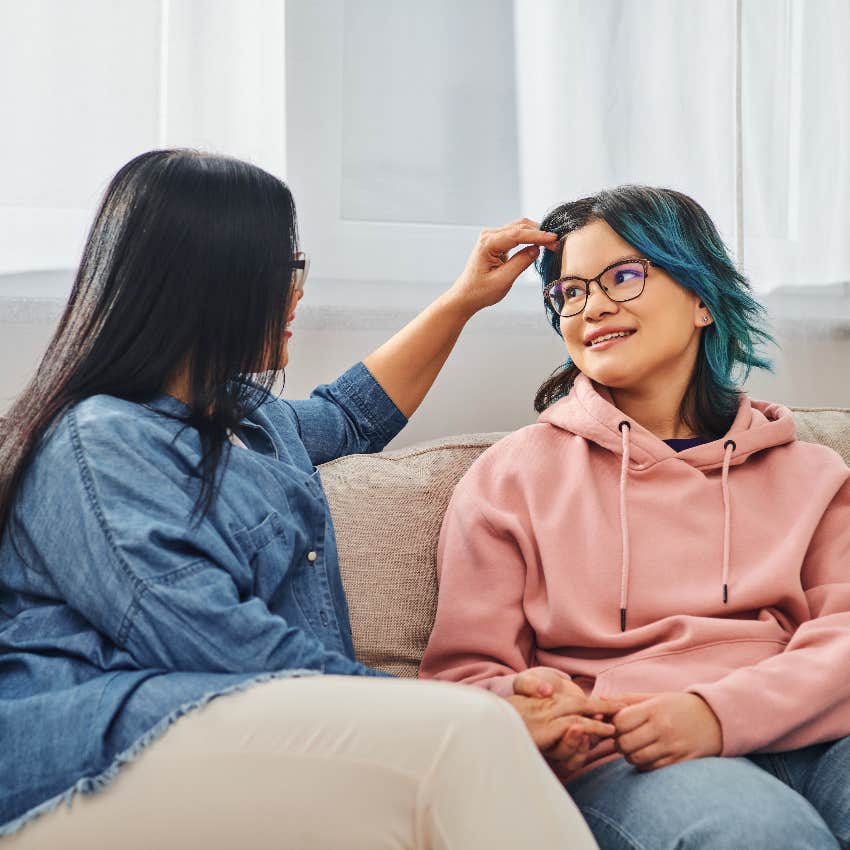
x: 267, y: 547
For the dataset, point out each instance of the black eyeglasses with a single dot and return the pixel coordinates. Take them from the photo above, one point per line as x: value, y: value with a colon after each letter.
x: 621, y: 281
x: 300, y: 266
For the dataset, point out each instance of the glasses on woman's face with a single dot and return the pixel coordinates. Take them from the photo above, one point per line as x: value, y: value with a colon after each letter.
x: 621, y: 281
x: 300, y: 266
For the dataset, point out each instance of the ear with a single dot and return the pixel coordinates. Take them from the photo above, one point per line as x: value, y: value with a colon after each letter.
x: 702, y: 317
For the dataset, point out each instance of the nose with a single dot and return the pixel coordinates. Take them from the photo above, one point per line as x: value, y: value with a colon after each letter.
x: 598, y: 303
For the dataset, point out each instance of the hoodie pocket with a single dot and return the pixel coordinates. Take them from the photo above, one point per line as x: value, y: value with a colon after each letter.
x: 681, y: 669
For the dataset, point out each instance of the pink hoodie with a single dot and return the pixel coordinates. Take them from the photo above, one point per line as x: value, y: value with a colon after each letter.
x: 723, y: 570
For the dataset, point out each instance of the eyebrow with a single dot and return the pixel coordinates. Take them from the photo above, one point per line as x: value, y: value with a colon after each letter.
x: 606, y: 266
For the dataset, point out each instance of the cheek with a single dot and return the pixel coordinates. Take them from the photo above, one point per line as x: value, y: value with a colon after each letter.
x: 673, y: 333
x: 572, y: 334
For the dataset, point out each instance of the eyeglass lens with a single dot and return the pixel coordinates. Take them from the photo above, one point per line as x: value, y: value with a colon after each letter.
x: 621, y: 283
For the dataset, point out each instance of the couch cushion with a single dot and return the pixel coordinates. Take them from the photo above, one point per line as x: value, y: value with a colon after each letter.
x: 827, y: 425
x: 387, y: 510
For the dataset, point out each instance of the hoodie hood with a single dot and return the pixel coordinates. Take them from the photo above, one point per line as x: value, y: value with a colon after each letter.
x: 589, y: 412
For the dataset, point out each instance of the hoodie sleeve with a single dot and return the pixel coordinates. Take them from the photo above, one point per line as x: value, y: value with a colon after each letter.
x: 801, y: 696
x: 480, y: 636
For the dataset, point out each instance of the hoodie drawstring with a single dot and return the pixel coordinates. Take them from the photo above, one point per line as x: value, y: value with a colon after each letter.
x: 625, y: 430
x: 729, y: 446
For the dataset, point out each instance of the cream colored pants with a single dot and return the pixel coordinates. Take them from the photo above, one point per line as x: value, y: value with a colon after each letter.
x: 329, y: 763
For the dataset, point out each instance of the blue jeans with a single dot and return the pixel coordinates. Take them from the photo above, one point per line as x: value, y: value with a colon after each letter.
x: 798, y: 800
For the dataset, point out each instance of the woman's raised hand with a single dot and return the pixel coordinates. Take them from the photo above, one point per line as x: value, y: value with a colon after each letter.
x: 406, y: 365
x: 491, y: 270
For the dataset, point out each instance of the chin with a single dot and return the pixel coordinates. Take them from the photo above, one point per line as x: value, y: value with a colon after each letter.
x: 611, y: 376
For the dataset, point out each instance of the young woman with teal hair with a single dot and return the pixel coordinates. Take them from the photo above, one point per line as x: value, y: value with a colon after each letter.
x: 660, y: 540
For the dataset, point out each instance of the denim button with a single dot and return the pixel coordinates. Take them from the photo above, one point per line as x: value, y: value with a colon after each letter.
x: 311, y: 556
x: 323, y: 617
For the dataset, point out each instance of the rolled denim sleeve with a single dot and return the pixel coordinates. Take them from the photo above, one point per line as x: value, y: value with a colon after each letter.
x: 351, y: 415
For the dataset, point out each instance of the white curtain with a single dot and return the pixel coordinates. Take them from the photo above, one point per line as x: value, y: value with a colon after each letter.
x: 743, y: 104
x: 627, y: 92
x: 87, y: 84
x: 796, y: 137
x: 397, y: 110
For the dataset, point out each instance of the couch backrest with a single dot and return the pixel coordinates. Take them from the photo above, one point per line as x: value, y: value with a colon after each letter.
x: 387, y: 510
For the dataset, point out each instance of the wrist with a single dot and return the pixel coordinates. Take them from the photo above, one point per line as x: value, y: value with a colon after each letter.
x: 456, y: 300
x: 716, y: 746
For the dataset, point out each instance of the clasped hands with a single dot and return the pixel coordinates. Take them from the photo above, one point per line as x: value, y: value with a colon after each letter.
x: 649, y: 730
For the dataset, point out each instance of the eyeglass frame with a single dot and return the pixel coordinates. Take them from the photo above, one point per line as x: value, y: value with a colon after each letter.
x: 597, y: 280
x: 300, y: 266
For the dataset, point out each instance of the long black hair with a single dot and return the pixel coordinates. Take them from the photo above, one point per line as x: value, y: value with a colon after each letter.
x: 677, y: 234
x: 187, y: 271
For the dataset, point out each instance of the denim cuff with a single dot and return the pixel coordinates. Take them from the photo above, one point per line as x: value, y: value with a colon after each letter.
x: 372, y: 403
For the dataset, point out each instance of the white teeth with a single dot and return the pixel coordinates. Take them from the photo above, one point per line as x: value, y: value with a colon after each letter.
x: 610, y: 336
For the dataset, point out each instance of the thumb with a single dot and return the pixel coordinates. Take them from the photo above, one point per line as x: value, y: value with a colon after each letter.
x: 520, y: 261
x: 528, y: 685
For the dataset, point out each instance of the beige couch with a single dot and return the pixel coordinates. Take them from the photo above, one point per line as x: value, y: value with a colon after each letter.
x: 387, y: 510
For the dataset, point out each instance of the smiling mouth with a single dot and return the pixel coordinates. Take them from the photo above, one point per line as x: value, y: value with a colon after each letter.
x: 608, y: 338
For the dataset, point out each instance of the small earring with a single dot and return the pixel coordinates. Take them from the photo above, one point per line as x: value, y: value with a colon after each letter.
x: 705, y: 320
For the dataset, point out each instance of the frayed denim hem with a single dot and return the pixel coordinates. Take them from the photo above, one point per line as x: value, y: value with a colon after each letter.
x: 93, y: 784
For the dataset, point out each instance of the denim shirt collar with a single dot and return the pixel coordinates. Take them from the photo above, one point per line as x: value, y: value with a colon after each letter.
x: 165, y: 403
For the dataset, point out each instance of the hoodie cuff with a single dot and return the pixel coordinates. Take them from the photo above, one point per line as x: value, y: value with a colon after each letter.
x: 734, y: 723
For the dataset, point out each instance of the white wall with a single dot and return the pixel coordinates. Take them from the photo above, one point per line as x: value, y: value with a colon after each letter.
x: 503, y: 355
x: 404, y: 127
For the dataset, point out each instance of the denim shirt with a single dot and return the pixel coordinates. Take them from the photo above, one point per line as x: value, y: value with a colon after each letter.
x: 117, y: 614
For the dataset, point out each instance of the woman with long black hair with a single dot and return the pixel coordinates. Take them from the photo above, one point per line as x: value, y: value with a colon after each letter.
x: 165, y: 541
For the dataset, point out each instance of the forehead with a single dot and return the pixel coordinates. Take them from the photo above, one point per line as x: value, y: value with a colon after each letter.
x: 589, y: 249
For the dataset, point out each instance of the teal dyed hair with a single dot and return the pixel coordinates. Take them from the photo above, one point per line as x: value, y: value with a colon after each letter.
x: 675, y: 233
